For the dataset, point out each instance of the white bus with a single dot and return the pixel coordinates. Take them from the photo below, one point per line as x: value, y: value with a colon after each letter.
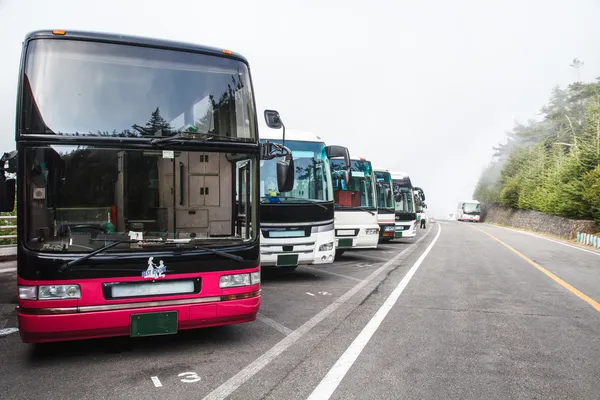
x: 297, y: 226
x: 468, y: 211
x: 406, y: 213
x: 356, y: 225
x: 385, y: 205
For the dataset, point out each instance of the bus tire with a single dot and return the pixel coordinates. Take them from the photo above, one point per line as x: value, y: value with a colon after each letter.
x: 338, y: 254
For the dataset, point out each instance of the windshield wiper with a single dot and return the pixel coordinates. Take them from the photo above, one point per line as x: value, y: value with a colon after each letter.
x: 81, y: 259
x: 357, y: 208
x: 315, y: 202
x: 183, y: 135
x: 213, y: 251
x: 180, y: 246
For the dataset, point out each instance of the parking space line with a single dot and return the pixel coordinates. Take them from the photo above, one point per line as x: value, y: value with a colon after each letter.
x: 381, y: 259
x: 274, y: 324
x: 156, y: 381
x: 233, y: 383
x: 331, y: 381
x: 332, y: 273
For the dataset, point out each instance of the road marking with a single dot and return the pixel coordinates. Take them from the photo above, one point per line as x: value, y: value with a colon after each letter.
x: 189, y: 377
x: 367, y: 256
x: 233, y: 383
x: 6, y: 270
x: 332, y: 273
x: 156, y: 381
x: 555, y: 278
x: 274, y: 324
x: 548, y: 239
x: 310, y: 294
x: 330, y: 382
x: 8, y: 331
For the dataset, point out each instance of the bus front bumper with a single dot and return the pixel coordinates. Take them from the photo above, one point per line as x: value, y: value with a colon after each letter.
x: 74, y: 325
x: 37, y: 325
x: 360, y: 241
x: 406, y: 230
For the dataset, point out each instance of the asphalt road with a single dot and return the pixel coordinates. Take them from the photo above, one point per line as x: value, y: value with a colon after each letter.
x: 454, y: 314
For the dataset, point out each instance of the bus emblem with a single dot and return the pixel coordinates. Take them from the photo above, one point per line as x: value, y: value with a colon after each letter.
x: 153, y: 271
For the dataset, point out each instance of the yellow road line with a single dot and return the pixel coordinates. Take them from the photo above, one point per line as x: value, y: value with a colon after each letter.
x: 555, y: 278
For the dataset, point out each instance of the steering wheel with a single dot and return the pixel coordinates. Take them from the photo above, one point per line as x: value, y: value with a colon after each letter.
x: 65, y: 229
x: 88, y: 226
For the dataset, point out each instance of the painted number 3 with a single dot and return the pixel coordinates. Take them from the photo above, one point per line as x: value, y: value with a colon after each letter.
x: 189, y: 377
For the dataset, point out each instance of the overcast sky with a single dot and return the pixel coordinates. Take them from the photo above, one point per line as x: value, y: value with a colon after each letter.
x: 426, y: 87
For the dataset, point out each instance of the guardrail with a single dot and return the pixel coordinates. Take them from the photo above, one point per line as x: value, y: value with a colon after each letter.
x: 8, y: 230
x: 12, y: 227
x: 588, y: 239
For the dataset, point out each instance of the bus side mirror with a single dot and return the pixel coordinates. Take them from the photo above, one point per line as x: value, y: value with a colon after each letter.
x: 7, y: 195
x: 272, y: 119
x: 335, y: 151
x: 285, y: 175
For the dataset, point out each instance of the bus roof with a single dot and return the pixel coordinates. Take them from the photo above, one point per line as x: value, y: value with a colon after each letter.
x: 133, y: 40
x: 471, y: 201
x: 265, y: 132
x: 381, y: 170
x: 402, y: 177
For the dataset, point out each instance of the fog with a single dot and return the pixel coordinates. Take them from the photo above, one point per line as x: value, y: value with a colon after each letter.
x: 424, y: 87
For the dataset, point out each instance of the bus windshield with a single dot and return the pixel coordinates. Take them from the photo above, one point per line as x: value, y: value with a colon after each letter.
x: 404, y: 199
x: 312, y: 175
x: 81, y: 197
x: 385, y: 194
x: 86, y: 88
x: 359, y: 193
x: 471, y: 208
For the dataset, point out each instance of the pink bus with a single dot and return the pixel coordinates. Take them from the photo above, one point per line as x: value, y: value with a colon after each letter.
x: 136, y: 169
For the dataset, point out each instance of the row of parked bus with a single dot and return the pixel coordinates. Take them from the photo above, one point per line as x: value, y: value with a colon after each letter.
x: 337, y: 203
x: 148, y: 200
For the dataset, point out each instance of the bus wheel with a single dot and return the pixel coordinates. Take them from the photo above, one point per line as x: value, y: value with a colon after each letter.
x: 338, y: 254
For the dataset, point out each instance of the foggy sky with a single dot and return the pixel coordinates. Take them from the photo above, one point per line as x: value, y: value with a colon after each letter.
x: 425, y: 87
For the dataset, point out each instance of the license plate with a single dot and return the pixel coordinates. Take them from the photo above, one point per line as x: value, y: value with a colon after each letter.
x: 287, y: 260
x: 345, y: 243
x: 153, y: 324
x: 144, y: 289
x: 398, y: 234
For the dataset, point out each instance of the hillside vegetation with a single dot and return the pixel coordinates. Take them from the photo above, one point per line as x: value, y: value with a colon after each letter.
x: 551, y: 164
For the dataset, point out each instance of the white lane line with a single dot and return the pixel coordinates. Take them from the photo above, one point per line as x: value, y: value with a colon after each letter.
x: 310, y: 294
x: 8, y: 331
x: 548, y: 239
x: 330, y: 382
x: 274, y: 324
x: 231, y: 385
x: 332, y: 273
x: 156, y: 381
x: 6, y: 270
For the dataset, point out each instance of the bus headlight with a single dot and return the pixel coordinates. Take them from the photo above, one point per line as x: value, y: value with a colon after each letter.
x: 255, y: 277
x: 326, y: 247
x: 55, y: 292
x: 372, y: 231
x: 235, y: 280
x: 28, y: 292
